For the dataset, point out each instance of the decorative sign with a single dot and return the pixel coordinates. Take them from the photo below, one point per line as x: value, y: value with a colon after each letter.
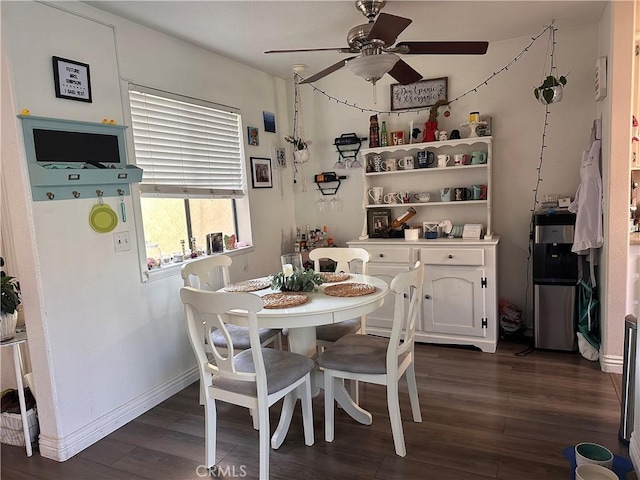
x: 419, y: 94
x: 72, y: 80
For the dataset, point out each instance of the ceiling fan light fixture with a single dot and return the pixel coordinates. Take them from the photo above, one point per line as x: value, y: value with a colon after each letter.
x: 373, y: 67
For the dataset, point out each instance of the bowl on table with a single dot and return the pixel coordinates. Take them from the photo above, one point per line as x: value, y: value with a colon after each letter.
x: 592, y: 453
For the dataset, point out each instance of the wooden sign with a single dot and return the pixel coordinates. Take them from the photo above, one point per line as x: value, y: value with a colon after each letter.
x: 419, y: 94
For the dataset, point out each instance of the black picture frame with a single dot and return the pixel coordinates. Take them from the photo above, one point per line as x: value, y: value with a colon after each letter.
x: 72, y: 79
x: 378, y: 222
x: 261, y: 173
x: 422, y: 94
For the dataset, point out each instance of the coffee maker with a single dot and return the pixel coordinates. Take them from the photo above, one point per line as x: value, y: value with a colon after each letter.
x: 555, y: 280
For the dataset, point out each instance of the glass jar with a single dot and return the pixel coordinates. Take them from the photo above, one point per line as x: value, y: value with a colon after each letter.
x: 154, y: 255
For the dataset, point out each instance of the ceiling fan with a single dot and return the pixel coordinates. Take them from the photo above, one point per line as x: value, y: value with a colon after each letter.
x: 373, y: 42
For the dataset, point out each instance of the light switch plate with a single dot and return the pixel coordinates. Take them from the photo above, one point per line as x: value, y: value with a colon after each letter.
x: 121, y: 241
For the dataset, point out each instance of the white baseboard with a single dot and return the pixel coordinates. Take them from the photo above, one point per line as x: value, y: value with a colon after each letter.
x: 611, y: 363
x: 61, y: 449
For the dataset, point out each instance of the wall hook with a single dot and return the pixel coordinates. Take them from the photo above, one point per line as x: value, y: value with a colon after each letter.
x: 75, y: 194
x: 50, y: 195
x: 120, y: 192
x: 99, y: 193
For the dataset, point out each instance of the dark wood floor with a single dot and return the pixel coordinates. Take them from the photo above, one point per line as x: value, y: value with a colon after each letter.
x: 485, y: 416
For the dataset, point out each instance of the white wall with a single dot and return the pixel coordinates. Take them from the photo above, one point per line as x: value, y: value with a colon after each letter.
x: 104, y: 346
x: 517, y: 130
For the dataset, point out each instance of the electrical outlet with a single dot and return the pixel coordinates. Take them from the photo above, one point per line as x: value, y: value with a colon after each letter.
x: 121, y: 241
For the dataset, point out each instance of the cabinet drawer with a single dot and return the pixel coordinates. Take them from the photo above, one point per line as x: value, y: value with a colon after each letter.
x: 454, y: 256
x: 389, y: 254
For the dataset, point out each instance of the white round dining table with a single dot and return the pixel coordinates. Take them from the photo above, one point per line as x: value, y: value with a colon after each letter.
x: 302, y: 320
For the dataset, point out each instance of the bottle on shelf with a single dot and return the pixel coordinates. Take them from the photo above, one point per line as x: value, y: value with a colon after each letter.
x: 404, y: 218
x: 374, y: 132
x: 384, y: 139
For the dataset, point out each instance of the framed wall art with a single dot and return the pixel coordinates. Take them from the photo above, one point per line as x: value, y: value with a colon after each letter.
x: 378, y: 221
x: 420, y: 94
x: 280, y: 157
x: 252, y: 136
x: 269, y: 122
x: 261, y: 174
x: 71, y: 79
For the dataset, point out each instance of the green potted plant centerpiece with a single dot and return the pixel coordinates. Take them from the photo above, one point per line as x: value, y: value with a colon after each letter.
x: 10, y: 293
x: 550, y: 91
x: 298, y: 281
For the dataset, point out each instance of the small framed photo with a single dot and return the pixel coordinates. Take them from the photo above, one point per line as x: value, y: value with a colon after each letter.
x: 269, y: 122
x: 378, y: 221
x: 431, y: 230
x: 252, y: 136
x: 71, y: 79
x: 280, y: 157
x: 261, y: 175
x: 416, y: 131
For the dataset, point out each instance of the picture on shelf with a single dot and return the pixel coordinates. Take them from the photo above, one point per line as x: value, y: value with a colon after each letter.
x: 379, y: 222
x: 416, y: 131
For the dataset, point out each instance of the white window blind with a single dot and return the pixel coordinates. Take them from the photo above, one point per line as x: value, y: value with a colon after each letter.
x: 186, y: 147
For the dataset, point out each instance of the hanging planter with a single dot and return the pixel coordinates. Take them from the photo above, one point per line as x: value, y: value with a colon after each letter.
x: 551, y: 90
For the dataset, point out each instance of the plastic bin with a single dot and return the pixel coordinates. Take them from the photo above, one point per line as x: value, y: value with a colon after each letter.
x: 628, y: 378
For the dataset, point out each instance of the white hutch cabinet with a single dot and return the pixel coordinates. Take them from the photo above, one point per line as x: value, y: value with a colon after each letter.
x: 460, y: 285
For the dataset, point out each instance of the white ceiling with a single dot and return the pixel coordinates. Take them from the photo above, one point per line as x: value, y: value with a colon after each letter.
x: 243, y: 30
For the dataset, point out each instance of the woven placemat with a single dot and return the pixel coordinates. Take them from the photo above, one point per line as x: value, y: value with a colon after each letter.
x: 349, y: 289
x: 335, y: 277
x: 248, y: 286
x: 284, y: 299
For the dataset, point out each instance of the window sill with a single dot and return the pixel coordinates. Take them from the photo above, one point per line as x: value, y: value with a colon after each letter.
x: 173, y: 269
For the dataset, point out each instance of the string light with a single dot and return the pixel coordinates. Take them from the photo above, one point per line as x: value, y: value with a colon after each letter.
x: 474, y: 89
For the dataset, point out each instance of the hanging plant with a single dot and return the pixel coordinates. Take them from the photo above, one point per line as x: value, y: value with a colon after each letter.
x: 551, y: 89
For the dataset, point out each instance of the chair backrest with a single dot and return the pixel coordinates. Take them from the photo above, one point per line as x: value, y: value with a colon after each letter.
x: 204, y: 273
x: 404, y: 322
x: 340, y: 255
x: 209, y: 309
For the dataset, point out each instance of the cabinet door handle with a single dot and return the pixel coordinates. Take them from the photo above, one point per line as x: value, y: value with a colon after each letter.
x: 427, y: 297
x: 381, y: 255
x: 406, y: 296
x: 450, y: 256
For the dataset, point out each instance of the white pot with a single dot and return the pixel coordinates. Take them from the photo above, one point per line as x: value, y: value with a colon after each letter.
x: 8, y: 323
x: 301, y: 156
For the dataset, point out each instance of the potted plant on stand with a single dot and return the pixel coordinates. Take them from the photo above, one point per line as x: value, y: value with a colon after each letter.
x: 10, y: 293
x: 300, y: 148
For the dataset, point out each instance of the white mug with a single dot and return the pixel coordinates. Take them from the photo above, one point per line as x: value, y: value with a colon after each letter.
x: 443, y: 160
x: 391, y: 164
x: 406, y: 163
x: 391, y: 198
x: 422, y: 197
x: 376, y: 195
x: 460, y: 159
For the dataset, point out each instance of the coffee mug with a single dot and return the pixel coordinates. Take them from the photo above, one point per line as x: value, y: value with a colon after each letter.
x: 376, y: 195
x: 425, y: 158
x: 478, y: 158
x: 422, y: 197
x: 479, y: 192
x: 445, y: 194
x: 461, y: 193
x: 376, y: 163
x: 460, y: 159
x: 406, y: 163
x: 390, y: 198
x: 403, y: 197
x: 391, y: 164
x: 443, y: 160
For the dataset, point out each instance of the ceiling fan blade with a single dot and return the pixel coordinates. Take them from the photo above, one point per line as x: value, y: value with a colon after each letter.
x: 404, y: 73
x: 445, y: 48
x: 338, y: 49
x: 327, y: 71
x: 388, y: 27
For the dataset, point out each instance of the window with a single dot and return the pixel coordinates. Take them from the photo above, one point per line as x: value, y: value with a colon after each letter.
x: 193, y: 170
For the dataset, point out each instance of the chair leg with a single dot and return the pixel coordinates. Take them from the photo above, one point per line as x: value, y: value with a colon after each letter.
x: 202, y: 399
x: 413, y: 393
x: 210, y: 420
x: 279, y: 341
x: 329, y: 405
x: 307, y: 412
x: 396, y: 421
x: 264, y: 439
x: 354, y: 391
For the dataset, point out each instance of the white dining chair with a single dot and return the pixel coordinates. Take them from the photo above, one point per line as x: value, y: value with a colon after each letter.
x: 327, y: 334
x: 255, y: 378
x: 379, y: 360
x: 206, y: 274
